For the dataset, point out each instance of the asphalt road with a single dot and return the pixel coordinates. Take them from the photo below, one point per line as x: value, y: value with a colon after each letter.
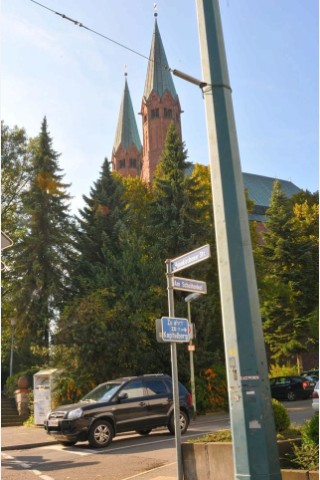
x: 129, y: 457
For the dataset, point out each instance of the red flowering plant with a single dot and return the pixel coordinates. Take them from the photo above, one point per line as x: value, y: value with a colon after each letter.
x: 211, y: 390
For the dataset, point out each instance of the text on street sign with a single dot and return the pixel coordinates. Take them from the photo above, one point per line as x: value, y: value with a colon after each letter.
x: 190, y: 258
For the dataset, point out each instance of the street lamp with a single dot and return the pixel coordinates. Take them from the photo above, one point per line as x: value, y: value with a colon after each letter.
x: 189, y: 299
x: 13, y: 324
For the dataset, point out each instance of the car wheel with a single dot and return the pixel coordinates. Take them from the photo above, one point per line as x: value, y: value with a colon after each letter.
x: 143, y: 432
x: 184, y: 423
x: 67, y: 444
x: 100, y: 434
x: 291, y: 396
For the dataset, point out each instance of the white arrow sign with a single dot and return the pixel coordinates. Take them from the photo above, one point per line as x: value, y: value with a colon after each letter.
x: 5, y: 241
x: 190, y: 258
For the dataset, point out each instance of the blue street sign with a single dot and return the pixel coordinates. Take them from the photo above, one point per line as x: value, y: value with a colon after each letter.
x: 176, y: 330
x: 189, y: 285
x: 190, y: 258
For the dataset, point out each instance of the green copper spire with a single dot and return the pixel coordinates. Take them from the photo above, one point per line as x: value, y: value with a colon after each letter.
x: 127, y: 131
x: 158, y: 78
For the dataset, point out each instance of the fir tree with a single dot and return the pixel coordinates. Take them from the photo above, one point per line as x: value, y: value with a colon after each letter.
x: 177, y: 209
x: 15, y: 178
x: 40, y: 269
x: 100, y: 222
x: 287, y: 261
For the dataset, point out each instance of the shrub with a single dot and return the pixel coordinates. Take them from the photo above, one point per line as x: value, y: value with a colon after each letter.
x: 310, y: 430
x: 282, y: 370
x: 12, y: 382
x: 211, y: 388
x: 11, y: 385
x: 29, y: 422
x: 70, y: 388
x: 281, y: 416
x: 306, y: 456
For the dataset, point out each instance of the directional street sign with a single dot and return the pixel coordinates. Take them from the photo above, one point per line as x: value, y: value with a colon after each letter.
x: 188, y: 285
x: 5, y: 241
x: 190, y: 258
x: 176, y: 330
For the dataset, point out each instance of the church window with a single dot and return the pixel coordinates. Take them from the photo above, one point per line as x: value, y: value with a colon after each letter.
x: 155, y: 113
x: 145, y: 118
x: 133, y: 163
x: 167, y: 113
x: 122, y: 163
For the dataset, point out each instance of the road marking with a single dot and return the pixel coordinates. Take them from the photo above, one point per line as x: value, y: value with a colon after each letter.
x: 75, y: 450
x: 81, y: 452
x: 148, y: 471
x: 27, y: 466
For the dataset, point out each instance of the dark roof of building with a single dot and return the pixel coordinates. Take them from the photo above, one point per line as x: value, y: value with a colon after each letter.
x: 260, y: 188
x: 127, y: 131
x: 158, y: 77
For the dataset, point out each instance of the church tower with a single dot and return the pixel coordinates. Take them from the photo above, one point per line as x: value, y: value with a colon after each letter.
x: 160, y: 106
x: 127, y: 148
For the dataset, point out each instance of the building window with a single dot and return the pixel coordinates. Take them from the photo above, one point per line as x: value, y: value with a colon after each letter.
x: 167, y: 113
x: 155, y: 113
x: 122, y: 163
x: 133, y: 163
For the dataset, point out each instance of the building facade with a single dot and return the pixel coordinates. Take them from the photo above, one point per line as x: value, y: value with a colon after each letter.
x: 160, y: 105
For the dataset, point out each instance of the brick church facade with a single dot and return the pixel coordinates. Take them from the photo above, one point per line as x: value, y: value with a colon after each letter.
x: 159, y: 106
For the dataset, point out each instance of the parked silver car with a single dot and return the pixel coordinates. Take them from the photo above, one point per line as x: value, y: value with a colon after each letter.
x: 315, y: 398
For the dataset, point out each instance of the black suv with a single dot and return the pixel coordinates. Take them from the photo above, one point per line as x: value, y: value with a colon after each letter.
x: 130, y: 403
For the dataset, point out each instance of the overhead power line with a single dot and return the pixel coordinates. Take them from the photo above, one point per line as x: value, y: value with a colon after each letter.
x: 175, y: 72
x: 79, y: 24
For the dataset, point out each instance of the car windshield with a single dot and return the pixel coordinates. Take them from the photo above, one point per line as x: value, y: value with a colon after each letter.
x: 102, y: 392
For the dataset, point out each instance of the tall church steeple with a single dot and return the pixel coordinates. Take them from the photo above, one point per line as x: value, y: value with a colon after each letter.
x: 160, y: 106
x: 127, y: 148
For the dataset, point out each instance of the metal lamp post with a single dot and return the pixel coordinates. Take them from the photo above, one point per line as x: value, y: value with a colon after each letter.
x: 189, y: 299
x: 13, y: 324
x: 255, y: 450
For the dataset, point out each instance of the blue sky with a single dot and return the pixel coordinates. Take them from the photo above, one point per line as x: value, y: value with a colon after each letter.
x: 52, y: 68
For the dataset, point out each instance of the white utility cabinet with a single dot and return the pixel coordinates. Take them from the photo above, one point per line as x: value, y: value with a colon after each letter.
x: 43, y: 384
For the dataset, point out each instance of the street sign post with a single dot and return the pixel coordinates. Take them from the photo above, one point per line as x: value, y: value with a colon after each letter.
x: 174, y: 265
x: 176, y: 330
x: 189, y: 285
x: 190, y: 258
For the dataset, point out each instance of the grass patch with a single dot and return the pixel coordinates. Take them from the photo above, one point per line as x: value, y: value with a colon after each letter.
x: 226, y: 436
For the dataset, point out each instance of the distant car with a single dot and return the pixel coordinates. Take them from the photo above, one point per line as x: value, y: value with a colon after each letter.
x: 290, y: 387
x: 315, y: 398
x: 311, y: 380
x: 311, y: 373
x: 126, y: 404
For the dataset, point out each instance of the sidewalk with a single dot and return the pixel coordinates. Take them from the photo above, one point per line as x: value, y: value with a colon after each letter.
x: 18, y: 438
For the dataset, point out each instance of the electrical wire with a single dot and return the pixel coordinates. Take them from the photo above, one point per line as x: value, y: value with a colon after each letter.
x: 175, y: 72
x: 79, y: 24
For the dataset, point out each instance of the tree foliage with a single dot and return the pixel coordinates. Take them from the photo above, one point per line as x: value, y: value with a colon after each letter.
x: 289, y: 286
x: 91, y: 287
x: 39, y: 270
